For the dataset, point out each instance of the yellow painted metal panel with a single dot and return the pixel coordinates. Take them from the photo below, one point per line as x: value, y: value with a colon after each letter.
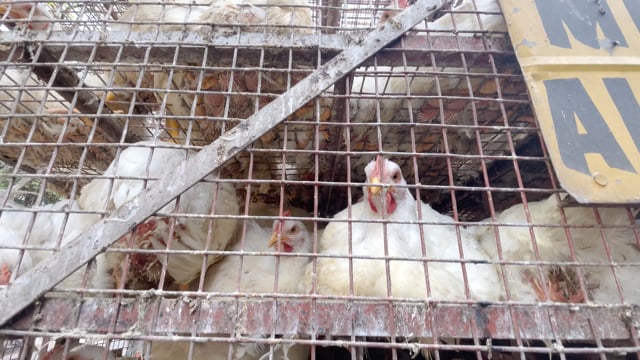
x: 581, y: 61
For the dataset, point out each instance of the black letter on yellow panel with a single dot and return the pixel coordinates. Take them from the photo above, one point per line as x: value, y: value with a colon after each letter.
x: 568, y: 99
x: 627, y: 105
x: 633, y: 7
x: 582, y: 18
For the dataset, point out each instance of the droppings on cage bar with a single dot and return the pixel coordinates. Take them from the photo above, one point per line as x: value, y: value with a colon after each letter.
x: 411, y: 210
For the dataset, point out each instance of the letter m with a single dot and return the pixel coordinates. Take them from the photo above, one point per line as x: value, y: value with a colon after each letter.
x: 582, y: 18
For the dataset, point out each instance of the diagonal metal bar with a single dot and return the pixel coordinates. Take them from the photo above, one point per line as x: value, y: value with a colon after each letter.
x: 34, y: 283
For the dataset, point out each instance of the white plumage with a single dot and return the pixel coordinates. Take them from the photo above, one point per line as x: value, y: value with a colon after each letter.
x: 463, y: 20
x: 147, y: 160
x: 29, y: 114
x: 205, y: 16
x: 258, y: 272
x: 10, y: 242
x: 33, y: 16
x: 47, y: 228
x: 394, y: 205
x: 253, y: 274
x: 80, y: 352
x: 588, y: 236
x: 223, y: 96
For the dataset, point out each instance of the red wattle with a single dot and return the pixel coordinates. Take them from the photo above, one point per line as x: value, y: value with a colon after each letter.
x: 403, y: 4
x: 287, y: 248
x: 371, y: 204
x: 391, y: 203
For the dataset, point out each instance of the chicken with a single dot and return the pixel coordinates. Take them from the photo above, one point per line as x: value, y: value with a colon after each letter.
x: 48, y: 228
x: 149, y: 160
x: 464, y: 23
x: 385, y: 223
x: 11, y: 258
x: 32, y: 112
x: 37, y: 13
x: 253, y: 274
x: 589, y: 236
x: 280, y: 16
x: 258, y: 274
x: 38, y: 16
x: 263, y: 213
x: 223, y: 96
x: 80, y: 352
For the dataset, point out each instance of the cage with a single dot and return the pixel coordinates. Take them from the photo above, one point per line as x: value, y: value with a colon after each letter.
x: 236, y: 179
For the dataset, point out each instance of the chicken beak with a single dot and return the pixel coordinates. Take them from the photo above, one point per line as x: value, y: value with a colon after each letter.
x: 112, y: 100
x: 375, y: 189
x: 274, y: 239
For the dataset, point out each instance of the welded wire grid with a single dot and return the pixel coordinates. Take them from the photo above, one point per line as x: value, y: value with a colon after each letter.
x: 449, y: 106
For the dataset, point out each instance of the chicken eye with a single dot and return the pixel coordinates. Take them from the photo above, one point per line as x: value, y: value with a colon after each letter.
x: 396, y: 176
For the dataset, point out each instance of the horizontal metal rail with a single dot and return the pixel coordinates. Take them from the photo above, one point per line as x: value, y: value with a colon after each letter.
x: 117, y: 48
x: 208, y: 316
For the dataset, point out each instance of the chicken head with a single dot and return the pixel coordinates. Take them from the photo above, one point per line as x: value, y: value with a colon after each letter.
x: 383, y: 193
x: 37, y: 15
x: 290, y: 236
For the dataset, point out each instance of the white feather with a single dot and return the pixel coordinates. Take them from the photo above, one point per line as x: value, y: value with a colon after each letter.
x: 45, y: 227
x: 190, y: 233
x: 257, y: 276
x: 10, y: 242
x: 466, y: 22
x: 403, y: 239
x: 587, y: 235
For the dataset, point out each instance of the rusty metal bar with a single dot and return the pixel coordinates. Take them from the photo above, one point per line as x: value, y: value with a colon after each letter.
x: 214, y: 316
x: 331, y: 14
x: 34, y: 283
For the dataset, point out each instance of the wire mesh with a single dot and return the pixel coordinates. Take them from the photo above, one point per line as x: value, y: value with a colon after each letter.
x: 284, y: 251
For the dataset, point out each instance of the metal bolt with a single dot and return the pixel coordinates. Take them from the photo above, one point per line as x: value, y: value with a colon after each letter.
x: 600, y: 179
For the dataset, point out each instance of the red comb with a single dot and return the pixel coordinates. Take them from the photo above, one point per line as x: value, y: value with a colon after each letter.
x: 380, y: 165
x: 278, y: 226
x: 403, y: 4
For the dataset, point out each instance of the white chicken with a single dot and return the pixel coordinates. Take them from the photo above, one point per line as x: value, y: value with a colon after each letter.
x: 11, y: 257
x: 223, y: 96
x: 466, y: 19
x: 38, y: 16
x: 264, y: 212
x: 253, y: 274
x: 592, y: 230
x: 204, y: 16
x: 48, y: 228
x: 31, y: 15
x: 258, y: 272
x: 79, y: 352
x: 28, y: 113
x: 385, y: 224
x: 127, y: 176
